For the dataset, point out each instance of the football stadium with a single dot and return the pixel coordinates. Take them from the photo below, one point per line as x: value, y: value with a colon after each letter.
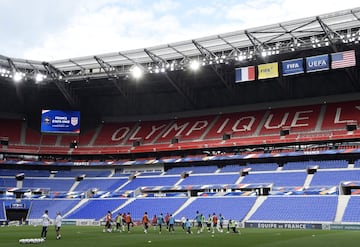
x: 244, y: 138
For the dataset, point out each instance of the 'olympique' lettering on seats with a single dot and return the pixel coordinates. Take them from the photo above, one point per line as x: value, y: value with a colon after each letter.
x: 305, y: 118
x: 176, y: 130
x: 295, y: 121
x: 240, y: 125
x: 122, y: 132
x: 338, y: 119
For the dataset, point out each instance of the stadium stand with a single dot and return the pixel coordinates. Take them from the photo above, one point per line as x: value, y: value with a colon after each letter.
x: 151, y: 181
x: 210, y: 179
x: 231, y: 168
x: 39, y: 206
x: 326, y: 178
x: 227, y: 206
x: 288, y: 156
x: 152, y: 206
x: 196, y: 132
x: 352, y: 213
x: 99, y: 184
x: 279, y: 179
x: 7, y: 182
x: 95, y: 209
x: 297, y: 209
x: 55, y: 184
x: 263, y: 166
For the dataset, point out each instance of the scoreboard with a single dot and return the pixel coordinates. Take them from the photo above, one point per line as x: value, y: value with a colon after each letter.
x: 57, y: 121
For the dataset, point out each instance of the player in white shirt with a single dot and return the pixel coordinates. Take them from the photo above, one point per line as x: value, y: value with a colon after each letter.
x: 58, y: 221
x: 45, y: 223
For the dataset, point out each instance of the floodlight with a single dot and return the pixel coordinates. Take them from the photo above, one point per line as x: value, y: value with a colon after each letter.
x: 137, y: 72
x: 172, y: 66
x: 194, y: 65
x: 17, y: 77
x: 39, y: 77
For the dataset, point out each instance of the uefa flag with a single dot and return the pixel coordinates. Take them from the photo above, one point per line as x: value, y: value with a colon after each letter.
x: 343, y: 59
x: 245, y: 74
x: 268, y: 70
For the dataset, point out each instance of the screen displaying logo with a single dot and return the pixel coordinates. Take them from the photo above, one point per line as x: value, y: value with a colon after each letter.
x: 55, y: 121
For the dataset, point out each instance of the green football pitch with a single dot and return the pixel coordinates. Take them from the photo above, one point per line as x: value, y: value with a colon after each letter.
x: 83, y: 236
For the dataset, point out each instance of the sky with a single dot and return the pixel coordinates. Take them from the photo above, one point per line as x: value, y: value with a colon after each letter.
x: 48, y: 30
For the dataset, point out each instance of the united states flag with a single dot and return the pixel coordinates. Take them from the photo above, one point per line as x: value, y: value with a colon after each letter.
x: 343, y: 59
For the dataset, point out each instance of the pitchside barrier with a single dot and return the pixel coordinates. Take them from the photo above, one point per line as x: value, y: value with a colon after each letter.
x: 89, y: 222
x: 303, y: 226
x: 260, y: 225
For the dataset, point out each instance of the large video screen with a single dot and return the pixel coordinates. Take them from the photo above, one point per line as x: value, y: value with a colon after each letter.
x: 55, y: 121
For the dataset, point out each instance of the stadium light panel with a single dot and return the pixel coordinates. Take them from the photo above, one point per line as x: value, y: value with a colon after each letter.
x: 194, y: 65
x: 137, y: 72
x: 17, y: 77
x: 39, y: 77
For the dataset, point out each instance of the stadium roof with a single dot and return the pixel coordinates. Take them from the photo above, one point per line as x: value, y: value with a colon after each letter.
x: 324, y: 30
x: 89, y: 81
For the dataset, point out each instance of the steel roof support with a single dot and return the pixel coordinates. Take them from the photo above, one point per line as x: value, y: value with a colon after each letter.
x: 113, y: 75
x: 329, y: 33
x: 181, y: 87
x: 217, y: 69
x: 64, y: 86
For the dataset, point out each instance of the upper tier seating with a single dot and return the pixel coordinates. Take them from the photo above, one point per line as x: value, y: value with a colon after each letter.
x: 27, y: 172
x: 210, y: 179
x: 100, y: 184
x: 150, y: 181
x: 234, y: 124
x: 326, y: 178
x: 305, y: 123
x: 338, y: 114
x: 11, y: 129
x: 279, y: 179
x: 87, y: 173
x: 231, y: 168
x: 192, y: 169
x: 262, y: 166
x: 7, y: 182
x: 52, y: 184
x: 299, y: 119
x: 325, y: 164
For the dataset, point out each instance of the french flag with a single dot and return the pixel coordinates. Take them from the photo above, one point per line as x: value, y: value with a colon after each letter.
x: 244, y: 74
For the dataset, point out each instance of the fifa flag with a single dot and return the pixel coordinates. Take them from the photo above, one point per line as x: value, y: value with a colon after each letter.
x: 292, y: 67
x: 268, y: 70
x: 244, y: 74
x: 343, y: 59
